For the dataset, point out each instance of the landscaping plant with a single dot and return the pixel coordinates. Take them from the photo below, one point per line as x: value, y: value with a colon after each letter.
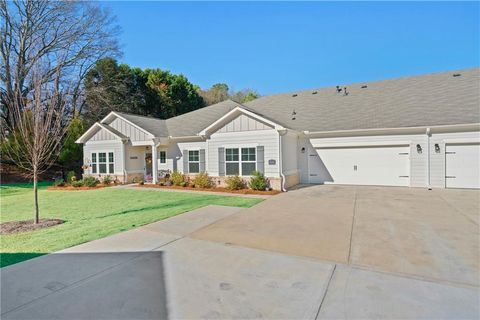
x: 235, y: 183
x: 203, y: 180
x: 77, y: 183
x: 177, y: 178
x: 258, y: 181
x: 107, y: 180
x: 71, y: 176
x: 89, y: 182
x: 59, y: 182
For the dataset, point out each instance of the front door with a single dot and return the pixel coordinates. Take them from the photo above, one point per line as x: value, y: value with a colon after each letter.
x: 148, y: 167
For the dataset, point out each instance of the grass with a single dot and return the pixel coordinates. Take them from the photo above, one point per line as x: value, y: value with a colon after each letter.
x: 90, y: 215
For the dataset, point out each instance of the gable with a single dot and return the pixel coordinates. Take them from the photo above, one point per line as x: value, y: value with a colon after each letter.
x: 244, y: 123
x: 103, y: 135
x: 129, y: 130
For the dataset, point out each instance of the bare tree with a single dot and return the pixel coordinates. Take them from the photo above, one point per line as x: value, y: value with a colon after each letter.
x: 33, y: 30
x: 34, y: 142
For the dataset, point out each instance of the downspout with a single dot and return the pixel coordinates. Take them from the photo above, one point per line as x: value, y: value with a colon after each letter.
x: 280, y: 167
x: 428, y: 133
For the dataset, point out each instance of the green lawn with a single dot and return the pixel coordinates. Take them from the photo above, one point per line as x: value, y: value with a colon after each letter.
x: 90, y: 215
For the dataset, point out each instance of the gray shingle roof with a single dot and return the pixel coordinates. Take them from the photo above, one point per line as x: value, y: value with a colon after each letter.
x: 425, y: 100
x: 157, y: 127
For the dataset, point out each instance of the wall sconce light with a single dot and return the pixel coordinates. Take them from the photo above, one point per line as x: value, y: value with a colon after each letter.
x: 303, y: 149
x: 437, y: 148
x: 419, y: 148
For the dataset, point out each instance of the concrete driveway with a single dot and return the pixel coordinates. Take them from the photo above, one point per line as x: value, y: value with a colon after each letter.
x: 319, y: 252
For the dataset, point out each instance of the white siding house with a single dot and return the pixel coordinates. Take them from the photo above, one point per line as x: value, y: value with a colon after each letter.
x: 421, y: 131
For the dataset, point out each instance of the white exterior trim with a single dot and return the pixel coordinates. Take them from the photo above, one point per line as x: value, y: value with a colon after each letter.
x: 362, y: 144
x: 128, y: 121
x: 226, y: 117
x: 91, y: 131
x: 462, y: 140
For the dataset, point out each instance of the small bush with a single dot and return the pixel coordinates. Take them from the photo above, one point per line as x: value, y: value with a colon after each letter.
x: 71, y: 176
x: 203, y: 180
x: 77, y: 183
x: 107, y: 180
x: 177, y: 178
x: 258, y: 181
x: 90, y: 181
x: 59, y: 182
x: 141, y: 182
x: 235, y: 183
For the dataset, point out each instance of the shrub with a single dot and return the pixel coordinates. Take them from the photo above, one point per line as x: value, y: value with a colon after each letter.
x: 77, y: 183
x: 258, y: 181
x: 71, y: 176
x: 107, y: 180
x: 141, y: 182
x: 235, y: 183
x: 177, y: 178
x: 183, y: 184
x: 203, y: 180
x: 59, y: 182
x: 90, y: 181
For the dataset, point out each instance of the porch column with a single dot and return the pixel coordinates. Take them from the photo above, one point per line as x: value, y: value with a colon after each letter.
x: 154, y: 164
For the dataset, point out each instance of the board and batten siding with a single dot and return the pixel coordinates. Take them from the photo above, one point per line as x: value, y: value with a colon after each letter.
x: 129, y: 130
x: 103, y: 135
x: 266, y: 138
x: 244, y: 123
x: 115, y: 146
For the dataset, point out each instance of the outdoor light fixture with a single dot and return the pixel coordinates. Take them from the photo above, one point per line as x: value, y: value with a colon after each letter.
x: 419, y: 148
x: 437, y: 148
x: 303, y: 149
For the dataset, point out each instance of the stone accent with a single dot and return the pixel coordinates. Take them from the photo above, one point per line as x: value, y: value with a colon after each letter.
x: 100, y: 176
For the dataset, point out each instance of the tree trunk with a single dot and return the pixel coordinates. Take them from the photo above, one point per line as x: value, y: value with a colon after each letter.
x: 35, y: 198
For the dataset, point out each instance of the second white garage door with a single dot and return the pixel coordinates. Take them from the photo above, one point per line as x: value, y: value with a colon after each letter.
x: 383, y: 166
x: 462, y: 166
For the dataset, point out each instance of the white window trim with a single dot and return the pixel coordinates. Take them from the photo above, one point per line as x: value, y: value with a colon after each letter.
x: 240, y: 161
x: 97, y: 163
x: 189, y: 172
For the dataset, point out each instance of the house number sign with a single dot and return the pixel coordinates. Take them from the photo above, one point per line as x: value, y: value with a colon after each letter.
x: 272, y: 162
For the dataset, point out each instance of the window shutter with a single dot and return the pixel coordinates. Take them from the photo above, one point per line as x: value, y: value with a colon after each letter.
x: 202, y: 160
x: 185, y: 161
x: 261, y: 159
x: 221, y: 161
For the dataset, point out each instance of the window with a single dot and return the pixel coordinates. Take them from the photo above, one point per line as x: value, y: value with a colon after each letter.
x: 111, y: 167
x: 162, y: 156
x: 103, y: 164
x: 232, y: 164
x: 94, y: 163
x: 193, y: 161
x: 240, y: 164
x: 249, y: 163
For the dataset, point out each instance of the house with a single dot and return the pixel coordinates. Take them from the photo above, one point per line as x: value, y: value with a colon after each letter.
x: 420, y: 131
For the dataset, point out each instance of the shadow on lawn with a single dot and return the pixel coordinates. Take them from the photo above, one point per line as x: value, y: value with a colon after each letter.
x: 90, y: 285
x: 7, y: 259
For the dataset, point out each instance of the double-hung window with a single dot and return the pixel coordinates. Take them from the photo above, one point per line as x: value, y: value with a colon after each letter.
x: 193, y: 161
x: 94, y: 163
x: 162, y: 155
x: 240, y: 161
x: 103, y: 162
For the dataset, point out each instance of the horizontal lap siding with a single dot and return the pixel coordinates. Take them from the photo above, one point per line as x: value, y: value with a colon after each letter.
x: 266, y: 138
x: 135, y: 159
x: 107, y: 146
x: 175, y: 153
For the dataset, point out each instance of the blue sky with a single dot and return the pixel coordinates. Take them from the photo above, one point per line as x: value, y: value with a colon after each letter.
x: 286, y: 46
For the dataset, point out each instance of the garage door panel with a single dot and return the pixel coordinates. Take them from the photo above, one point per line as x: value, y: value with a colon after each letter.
x: 462, y: 169
x: 366, y: 165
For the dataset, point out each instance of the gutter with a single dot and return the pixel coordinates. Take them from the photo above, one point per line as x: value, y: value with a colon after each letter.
x: 281, y: 133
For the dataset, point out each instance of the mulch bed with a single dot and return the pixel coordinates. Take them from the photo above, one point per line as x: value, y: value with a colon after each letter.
x: 70, y: 188
x: 12, y: 227
x: 219, y: 189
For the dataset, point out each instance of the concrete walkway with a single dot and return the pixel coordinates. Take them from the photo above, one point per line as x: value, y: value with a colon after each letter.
x: 189, y: 267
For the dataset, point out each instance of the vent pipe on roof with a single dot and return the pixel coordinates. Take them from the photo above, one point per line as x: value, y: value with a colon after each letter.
x: 457, y: 74
x: 345, y: 92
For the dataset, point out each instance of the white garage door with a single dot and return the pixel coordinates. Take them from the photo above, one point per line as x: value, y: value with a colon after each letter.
x: 384, y: 166
x: 462, y: 166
